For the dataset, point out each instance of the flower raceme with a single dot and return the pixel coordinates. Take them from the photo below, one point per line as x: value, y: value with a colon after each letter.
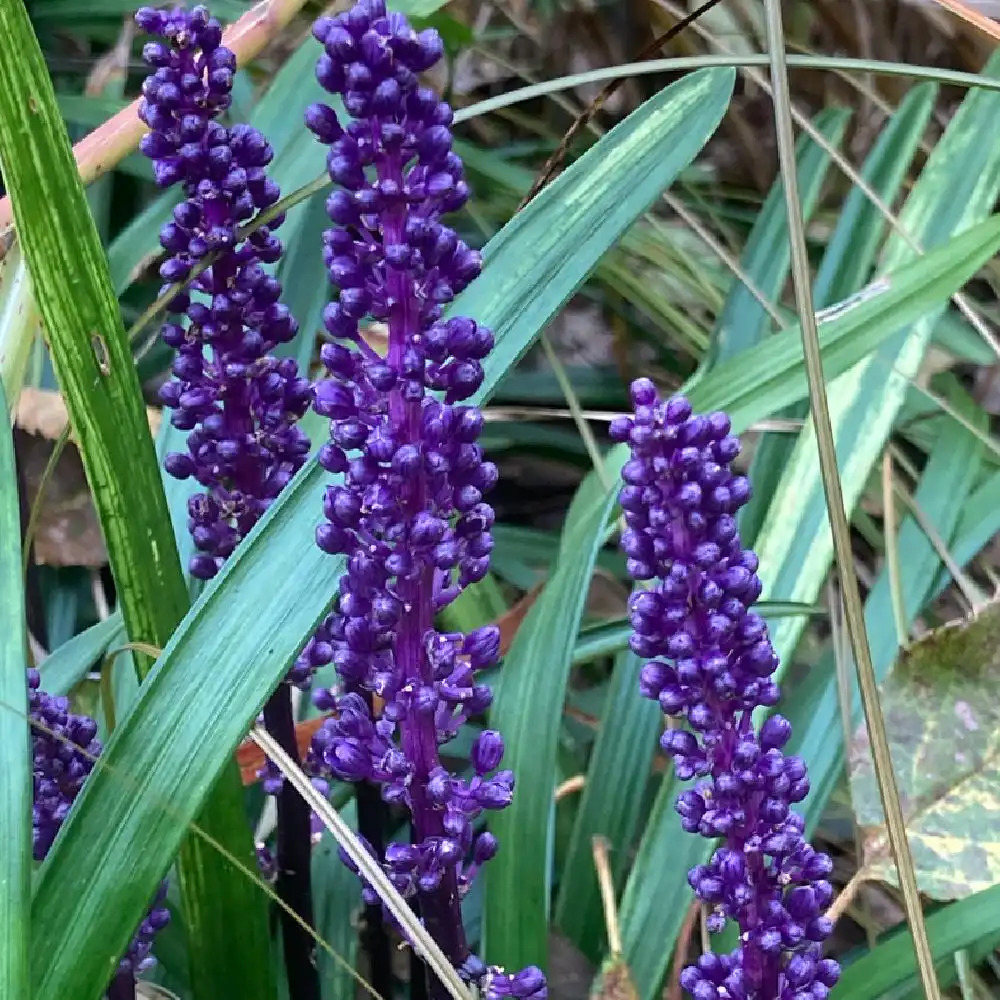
x: 239, y: 402
x: 408, y: 511
x: 711, y: 665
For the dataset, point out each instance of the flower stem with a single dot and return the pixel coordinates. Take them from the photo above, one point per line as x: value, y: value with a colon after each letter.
x: 374, y: 939
x: 122, y: 987
x: 293, y: 858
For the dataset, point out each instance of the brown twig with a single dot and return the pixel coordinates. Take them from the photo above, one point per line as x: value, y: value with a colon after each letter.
x: 104, y: 148
x: 555, y: 161
x: 978, y: 21
x: 680, y: 951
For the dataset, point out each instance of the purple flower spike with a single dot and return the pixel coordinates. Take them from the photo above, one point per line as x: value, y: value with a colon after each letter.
x: 408, y: 513
x: 239, y: 403
x: 64, y: 749
x: 711, y: 665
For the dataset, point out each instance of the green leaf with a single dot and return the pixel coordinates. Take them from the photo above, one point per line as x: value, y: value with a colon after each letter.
x: 19, y: 320
x: 617, y: 777
x: 95, y: 371
x: 766, y: 259
x: 613, y: 184
x: 527, y: 708
x: 942, y: 717
x: 336, y: 900
x: 416, y: 8
x: 951, y: 928
x: 946, y: 481
x: 276, y: 587
x: 847, y: 263
x: 773, y: 377
x: 69, y: 664
x: 15, y: 750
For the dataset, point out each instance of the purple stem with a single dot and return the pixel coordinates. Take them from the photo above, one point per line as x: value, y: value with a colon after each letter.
x: 122, y: 987
x: 441, y: 908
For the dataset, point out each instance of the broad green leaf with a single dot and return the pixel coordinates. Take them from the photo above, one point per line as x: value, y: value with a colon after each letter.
x: 617, y: 776
x: 766, y: 258
x: 94, y: 366
x: 951, y: 928
x: 942, y: 717
x: 15, y: 751
x: 527, y: 708
x: 272, y: 592
x: 69, y: 664
x: 336, y: 900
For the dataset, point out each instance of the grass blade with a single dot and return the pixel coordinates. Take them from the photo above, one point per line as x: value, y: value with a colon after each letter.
x: 15, y: 789
x: 527, y: 709
x: 846, y: 265
x: 69, y: 664
x: 94, y: 367
x: 765, y: 259
x: 617, y: 776
x: 19, y: 321
x: 951, y: 928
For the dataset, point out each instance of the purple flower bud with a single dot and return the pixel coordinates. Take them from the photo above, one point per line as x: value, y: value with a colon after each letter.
x: 487, y: 751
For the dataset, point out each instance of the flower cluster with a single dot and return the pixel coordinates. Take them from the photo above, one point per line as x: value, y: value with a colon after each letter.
x: 712, y: 665
x: 64, y: 748
x: 408, y: 512
x: 239, y: 402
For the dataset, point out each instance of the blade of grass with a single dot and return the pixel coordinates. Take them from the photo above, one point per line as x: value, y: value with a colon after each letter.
x: 847, y: 263
x: 19, y: 320
x: 69, y: 664
x: 959, y: 925
x: 15, y: 789
x: 617, y: 776
x: 95, y: 371
x: 744, y: 322
x: 839, y: 525
x: 526, y: 709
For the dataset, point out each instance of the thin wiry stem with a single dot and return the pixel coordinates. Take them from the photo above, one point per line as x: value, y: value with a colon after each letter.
x: 890, y: 533
x: 839, y: 526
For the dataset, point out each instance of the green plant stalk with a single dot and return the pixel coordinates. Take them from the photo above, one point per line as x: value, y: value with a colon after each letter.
x: 95, y: 371
x: 15, y: 789
x: 839, y: 525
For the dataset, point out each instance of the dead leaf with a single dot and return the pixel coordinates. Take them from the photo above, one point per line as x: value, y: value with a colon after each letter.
x: 43, y: 411
x: 67, y: 532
